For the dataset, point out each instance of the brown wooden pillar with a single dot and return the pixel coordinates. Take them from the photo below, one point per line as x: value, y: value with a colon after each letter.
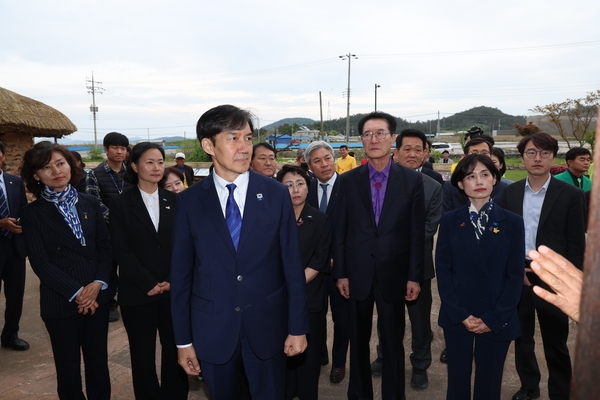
x: 586, y: 372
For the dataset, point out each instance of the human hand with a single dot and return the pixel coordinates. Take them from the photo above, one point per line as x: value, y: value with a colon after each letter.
x: 412, y: 290
x: 562, y: 276
x: 11, y: 225
x: 471, y: 323
x: 186, y: 357
x: 481, y: 326
x: 525, y: 278
x: 155, y: 290
x: 91, y: 309
x: 294, y: 345
x: 343, y: 285
x: 165, y: 286
x: 88, y: 295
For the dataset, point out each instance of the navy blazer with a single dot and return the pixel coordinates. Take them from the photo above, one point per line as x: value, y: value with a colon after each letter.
x: 393, y: 250
x: 58, y: 258
x: 482, y: 279
x: 214, y: 289
x: 16, y: 198
x: 143, y: 254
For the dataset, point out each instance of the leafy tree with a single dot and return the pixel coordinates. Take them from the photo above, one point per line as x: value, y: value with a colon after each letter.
x: 528, y: 129
x: 196, y: 153
x: 590, y: 138
x: 572, y: 118
x: 94, y: 154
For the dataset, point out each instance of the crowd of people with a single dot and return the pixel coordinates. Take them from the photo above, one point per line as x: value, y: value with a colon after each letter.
x: 236, y: 273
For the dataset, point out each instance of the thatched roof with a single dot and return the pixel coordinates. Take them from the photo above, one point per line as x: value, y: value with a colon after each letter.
x: 22, y: 114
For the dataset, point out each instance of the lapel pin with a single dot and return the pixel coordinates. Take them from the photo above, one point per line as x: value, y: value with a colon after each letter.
x: 85, y: 215
x: 259, y: 196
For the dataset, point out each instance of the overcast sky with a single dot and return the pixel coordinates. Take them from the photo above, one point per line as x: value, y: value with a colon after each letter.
x: 162, y: 64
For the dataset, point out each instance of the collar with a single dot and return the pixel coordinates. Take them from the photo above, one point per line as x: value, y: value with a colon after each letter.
x: 109, y: 169
x: 385, y: 171
x: 331, y: 181
x: 241, y: 182
x: 544, y: 187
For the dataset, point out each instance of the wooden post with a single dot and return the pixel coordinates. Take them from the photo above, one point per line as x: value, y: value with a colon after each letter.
x: 586, y: 373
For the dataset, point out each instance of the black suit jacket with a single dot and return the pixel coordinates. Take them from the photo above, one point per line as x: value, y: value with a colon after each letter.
x: 314, y: 234
x: 433, y: 214
x: 143, y: 254
x: 562, y: 218
x: 433, y: 174
x: 313, y: 200
x: 15, y: 196
x: 58, y: 258
x: 393, y: 250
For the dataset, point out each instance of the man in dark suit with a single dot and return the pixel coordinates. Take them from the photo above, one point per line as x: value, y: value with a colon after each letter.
x: 379, y: 249
x: 12, y: 255
x: 554, y: 215
x: 186, y: 170
x: 409, y: 151
x: 322, y: 194
x: 238, y: 298
x: 453, y: 198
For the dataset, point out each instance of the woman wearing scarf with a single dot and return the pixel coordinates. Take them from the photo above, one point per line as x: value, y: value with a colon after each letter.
x: 480, y: 260
x: 69, y: 250
x: 141, y: 227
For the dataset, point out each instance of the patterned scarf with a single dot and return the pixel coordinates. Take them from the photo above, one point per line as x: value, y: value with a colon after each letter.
x: 65, y: 201
x: 480, y: 220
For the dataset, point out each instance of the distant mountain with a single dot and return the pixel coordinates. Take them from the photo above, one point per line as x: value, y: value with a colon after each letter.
x: 289, y: 121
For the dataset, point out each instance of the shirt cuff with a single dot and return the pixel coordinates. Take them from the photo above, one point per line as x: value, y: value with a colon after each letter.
x: 104, y: 284
x: 75, y: 295
x: 184, y: 346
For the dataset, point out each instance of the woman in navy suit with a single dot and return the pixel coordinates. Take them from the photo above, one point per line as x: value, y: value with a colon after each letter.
x: 141, y: 225
x: 69, y: 250
x: 480, y: 264
x: 314, y: 234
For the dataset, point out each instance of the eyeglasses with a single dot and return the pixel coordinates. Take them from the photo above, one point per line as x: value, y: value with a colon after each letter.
x: 380, y: 135
x: 531, y: 153
x: 484, y: 152
x: 298, y: 185
x: 264, y: 159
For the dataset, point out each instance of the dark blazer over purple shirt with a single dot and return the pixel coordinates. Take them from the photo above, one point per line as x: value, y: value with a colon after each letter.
x: 214, y: 289
x: 392, y: 250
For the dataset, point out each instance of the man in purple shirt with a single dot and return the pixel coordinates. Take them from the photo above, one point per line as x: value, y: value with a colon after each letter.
x: 379, y: 247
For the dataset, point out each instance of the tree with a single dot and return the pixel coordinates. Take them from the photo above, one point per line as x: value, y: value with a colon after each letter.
x: 572, y: 118
x: 526, y: 130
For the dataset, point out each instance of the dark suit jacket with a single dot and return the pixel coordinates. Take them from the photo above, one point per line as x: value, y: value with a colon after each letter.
x: 143, y: 254
x: 58, y: 258
x: 433, y: 174
x: 393, y: 250
x: 313, y: 200
x: 314, y: 234
x: 453, y: 198
x: 15, y: 196
x: 481, y: 279
x: 562, y: 218
x: 215, y: 289
x: 433, y: 213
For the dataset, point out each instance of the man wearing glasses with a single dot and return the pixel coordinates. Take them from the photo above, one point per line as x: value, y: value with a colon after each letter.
x: 379, y: 247
x: 453, y: 198
x: 554, y: 216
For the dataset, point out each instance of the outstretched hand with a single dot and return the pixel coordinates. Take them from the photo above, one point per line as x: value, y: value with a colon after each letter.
x: 562, y: 276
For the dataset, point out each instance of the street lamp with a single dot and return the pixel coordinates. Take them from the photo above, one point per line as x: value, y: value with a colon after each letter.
x: 376, y: 86
x: 348, y: 56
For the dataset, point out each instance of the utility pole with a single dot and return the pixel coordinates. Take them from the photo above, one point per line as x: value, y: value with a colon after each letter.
x: 438, y: 127
x: 349, y: 56
x: 321, y: 108
x: 93, y: 108
x: 376, y: 86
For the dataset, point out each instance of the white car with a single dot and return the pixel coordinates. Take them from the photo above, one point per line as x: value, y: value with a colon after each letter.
x: 441, y: 146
